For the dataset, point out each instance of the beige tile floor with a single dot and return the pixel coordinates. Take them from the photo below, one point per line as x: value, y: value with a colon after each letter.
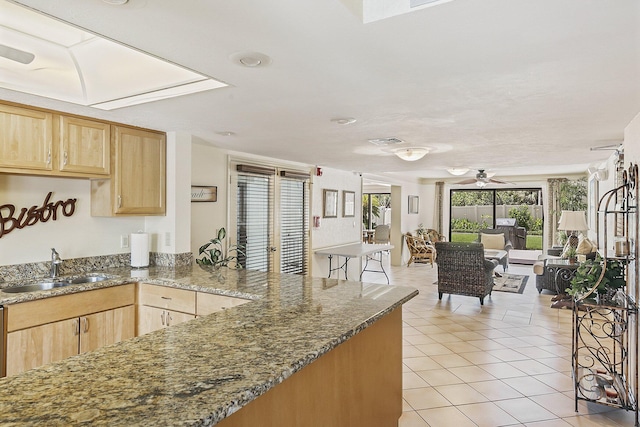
x: 507, y: 363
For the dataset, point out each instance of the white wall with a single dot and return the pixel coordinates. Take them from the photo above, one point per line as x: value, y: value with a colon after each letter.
x: 335, y: 231
x: 170, y: 233
x: 208, y: 167
x: 79, y: 235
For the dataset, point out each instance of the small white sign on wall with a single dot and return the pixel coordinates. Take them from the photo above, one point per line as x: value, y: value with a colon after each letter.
x: 201, y: 193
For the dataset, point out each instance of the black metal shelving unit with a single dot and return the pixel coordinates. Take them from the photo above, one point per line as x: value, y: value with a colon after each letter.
x: 605, y: 328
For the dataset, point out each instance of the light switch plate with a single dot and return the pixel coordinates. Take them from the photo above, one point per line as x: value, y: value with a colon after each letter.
x: 124, y: 241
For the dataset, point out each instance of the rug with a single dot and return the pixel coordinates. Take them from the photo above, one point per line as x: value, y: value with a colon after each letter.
x: 510, y: 283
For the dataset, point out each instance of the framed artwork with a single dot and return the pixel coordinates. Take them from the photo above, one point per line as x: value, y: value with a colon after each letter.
x: 330, y: 203
x: 414, y: 202
x: 348, y: 203
x: 204, y: 193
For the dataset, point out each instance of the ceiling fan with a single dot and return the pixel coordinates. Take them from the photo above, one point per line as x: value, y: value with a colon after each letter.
x: 482, y: 179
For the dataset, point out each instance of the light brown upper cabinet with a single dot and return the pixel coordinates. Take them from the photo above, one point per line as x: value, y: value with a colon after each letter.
x: 25, y: 140
x: 41, y: 142
x: 84, y: 146
x: 137, y: 184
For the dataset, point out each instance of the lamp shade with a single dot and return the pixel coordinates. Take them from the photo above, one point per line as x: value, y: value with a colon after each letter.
x: 573, y: 221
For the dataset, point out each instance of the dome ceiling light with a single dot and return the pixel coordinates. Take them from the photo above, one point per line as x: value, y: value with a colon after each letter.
x: 457, y: 171
x: 411, y: 154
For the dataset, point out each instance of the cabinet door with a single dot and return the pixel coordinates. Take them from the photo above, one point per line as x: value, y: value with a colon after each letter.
x: 107, y: 327
x: 84, y: 146
x: 25, y: 138
x: 139, y: 179
x: 37, y: 346
x: 210, y: 303
x: 152, y: 318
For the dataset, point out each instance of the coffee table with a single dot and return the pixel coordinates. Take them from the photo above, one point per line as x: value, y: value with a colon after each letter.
x: 501, y: 256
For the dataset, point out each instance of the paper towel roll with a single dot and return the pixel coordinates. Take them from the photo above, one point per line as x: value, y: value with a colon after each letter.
x: 139, y: 249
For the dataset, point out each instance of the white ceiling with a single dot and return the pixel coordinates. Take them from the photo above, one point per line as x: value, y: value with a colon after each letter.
x: 517, y: 87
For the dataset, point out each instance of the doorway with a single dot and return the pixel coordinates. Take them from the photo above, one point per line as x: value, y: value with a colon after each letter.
x: 270, y: 218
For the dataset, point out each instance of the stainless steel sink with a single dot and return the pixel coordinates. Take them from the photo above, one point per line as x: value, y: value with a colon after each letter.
x: 41, y: 286
x: 50, y: 284
x: 88, y: 279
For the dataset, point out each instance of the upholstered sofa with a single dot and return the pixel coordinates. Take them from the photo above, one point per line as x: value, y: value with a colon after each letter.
x: 463, y: 270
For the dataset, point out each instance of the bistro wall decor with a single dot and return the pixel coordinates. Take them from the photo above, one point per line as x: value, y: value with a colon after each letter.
x: 10, y: 219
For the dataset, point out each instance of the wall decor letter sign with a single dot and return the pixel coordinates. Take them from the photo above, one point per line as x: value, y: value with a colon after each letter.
x: 10, y: 219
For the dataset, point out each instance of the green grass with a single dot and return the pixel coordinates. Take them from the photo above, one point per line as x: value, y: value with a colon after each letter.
x: 533, y: 241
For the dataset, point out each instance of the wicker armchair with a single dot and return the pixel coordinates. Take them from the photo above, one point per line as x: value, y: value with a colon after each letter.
x: 463, y: 270
x: 420, y: 250
x: 434, y: 236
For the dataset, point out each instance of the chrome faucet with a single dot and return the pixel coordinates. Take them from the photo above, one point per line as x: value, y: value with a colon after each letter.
x: 55, y: 263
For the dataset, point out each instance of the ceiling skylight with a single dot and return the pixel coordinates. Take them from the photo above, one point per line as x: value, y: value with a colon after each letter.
x: 70, y: 64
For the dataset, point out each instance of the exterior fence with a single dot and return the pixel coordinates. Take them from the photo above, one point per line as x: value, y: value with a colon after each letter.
x: 480, y: 213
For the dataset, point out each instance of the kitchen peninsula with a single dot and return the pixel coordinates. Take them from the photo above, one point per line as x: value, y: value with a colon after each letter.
x: 304, y: 351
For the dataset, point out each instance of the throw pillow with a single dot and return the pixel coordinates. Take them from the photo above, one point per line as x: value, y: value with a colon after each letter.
x: 584, y: 246
x: 492, y: 241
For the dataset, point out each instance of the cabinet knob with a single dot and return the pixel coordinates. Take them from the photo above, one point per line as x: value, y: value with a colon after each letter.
x: 49, y: 157
x: 162, y: 318
x: 76, y: 326
x: 86, y: 324
x: 119, y: 201
x: 64, y: 159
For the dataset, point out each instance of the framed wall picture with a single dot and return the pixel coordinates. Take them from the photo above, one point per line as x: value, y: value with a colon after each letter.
x: 330, y: 203
x: 348, y: 203
x: 414, y: 204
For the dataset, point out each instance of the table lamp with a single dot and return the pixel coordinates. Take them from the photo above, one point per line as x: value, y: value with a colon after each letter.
x: 572, y: 222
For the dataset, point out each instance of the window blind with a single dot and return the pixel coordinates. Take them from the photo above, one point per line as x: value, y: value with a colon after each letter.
x: 254, y: 218
x: 294, y: 225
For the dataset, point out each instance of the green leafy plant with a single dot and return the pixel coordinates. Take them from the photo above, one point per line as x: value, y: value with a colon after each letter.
x: 571, y: 253
x: 213, y: 252
x: 588, y: 273
x: 420, y: 231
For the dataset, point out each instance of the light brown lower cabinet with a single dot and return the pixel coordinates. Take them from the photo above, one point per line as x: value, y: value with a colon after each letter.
x: 153, y: 318
x: 39, y: 345
x: 46, y: 330
x: 77, y: 323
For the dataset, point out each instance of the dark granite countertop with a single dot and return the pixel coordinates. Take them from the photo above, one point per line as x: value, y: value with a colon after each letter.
x: 198, y: 372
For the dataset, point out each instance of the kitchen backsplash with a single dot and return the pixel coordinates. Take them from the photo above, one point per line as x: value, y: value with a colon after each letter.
x: 89, y: 264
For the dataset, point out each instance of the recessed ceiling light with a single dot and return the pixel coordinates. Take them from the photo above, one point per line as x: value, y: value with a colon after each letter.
x: 226, y: 133
x: 250, y: 59
x: 116, y: 2
x: 344, y: 120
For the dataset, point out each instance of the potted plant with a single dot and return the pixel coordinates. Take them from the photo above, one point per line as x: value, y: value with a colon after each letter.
x: 214, y: 254
x: 420, y: 231
x: 590, y: 272
x: 571, y: 254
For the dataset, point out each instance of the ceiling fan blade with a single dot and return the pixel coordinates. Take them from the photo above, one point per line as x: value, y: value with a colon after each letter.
x: 467, y: 181
x: 497, y: 181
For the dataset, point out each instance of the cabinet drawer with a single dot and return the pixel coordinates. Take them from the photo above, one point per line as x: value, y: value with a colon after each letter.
x: 42, y: 311
x: 210, y: 303
x: 169, y: 298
